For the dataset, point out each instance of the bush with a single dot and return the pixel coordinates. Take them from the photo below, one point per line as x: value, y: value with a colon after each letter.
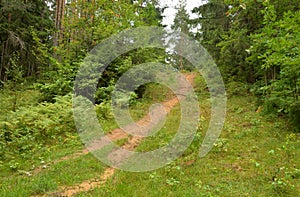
x: 235, y: 88
x: 57, y: 82
x: 104, y: 110
x: 294, y: 115
x: 49, y: 91
x: 25, y: 131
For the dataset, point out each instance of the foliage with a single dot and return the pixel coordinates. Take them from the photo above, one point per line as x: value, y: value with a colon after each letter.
x: 25, y: 131
x: 213, y: 25
x: 25, y: 28
x: 57, y: 81
x: 181, y: 26
x: 256, y: 42
x: 94, y: 21
x: 123, y: 64
x: 280, y: 61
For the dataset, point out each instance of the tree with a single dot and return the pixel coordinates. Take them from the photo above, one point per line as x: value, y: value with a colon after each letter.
x: 25, y: 28
x: 181, y: 26
x: 276, y: 46
x: 213, y: 24
x: 59, y: 17
x: 225, y: 29
x: 85, y: 24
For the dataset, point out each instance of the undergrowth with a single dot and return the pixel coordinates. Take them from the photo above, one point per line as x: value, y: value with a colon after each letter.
x: 255, y: 155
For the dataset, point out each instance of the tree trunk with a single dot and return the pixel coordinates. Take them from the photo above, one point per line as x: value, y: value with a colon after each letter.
x: 59, y: 16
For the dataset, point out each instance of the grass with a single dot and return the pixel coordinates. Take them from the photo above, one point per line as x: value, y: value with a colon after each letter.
x: 65, y: 173
x: 139, y: 108
x: 254, y: 156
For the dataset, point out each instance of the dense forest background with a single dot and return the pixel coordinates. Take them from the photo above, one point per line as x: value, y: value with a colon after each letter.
x: 257, y: 43
x: 254, y: 42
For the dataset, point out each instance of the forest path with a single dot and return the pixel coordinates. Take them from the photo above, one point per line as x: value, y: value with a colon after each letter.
x: 117, y: 134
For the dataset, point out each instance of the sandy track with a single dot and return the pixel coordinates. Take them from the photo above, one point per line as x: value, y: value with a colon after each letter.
x: 116, y: 134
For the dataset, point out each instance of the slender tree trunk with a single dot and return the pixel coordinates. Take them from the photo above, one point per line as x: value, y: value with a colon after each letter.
x: 2, y: 62
x: 180, y: 50
x: 3, y: 69
x: 59, y: 17
x: 55, y: 41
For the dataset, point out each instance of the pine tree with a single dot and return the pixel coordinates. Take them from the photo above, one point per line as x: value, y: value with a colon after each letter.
x: 179, y: 28
x: 213, y: 24
x: 25, y: 29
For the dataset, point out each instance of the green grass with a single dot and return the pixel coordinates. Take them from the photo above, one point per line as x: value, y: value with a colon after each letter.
x: 18, y: 171
x: 164, y: 135
x: 65, y: 173
x: 255, y: 156
x: 155, y: 93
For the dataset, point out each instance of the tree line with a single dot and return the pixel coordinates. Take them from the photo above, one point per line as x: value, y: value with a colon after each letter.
x: 254, y: 42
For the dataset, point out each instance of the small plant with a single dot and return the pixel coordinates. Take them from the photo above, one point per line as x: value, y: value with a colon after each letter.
x: 200, y: 185
x: 154, y: 175
x: 31, y: 128
x: 104, y: 111
x: 281, y: 181
x: 235, y: 88
x: 256, y: 163
x: 14, y: 165
x: 172, y: 181
x: 221, y: 145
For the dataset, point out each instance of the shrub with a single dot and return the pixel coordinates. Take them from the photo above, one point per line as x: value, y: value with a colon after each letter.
x: 28, y: 129
x: 294, y: 115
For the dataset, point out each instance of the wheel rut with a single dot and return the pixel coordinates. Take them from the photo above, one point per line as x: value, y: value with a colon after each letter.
x: 116, y: 134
